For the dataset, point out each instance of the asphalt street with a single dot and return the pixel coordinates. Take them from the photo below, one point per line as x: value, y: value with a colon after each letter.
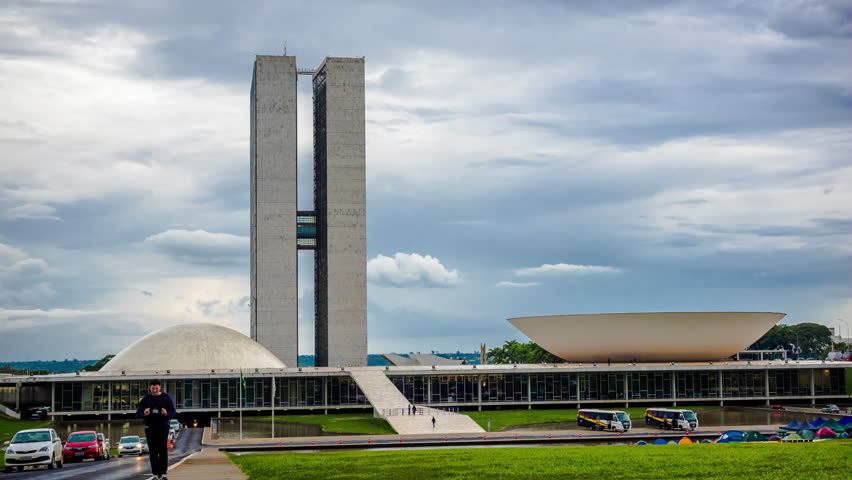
x: 125, y: 468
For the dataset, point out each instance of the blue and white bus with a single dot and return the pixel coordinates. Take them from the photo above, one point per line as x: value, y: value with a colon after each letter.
x: 604, y: 420
x: 671, y: 419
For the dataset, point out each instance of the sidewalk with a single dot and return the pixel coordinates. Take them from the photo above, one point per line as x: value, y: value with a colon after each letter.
x: 207, y: 464
x: 210, y: 463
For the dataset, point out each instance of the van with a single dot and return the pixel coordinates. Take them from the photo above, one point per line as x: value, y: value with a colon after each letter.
x: 671, y: 419
x: 615, y: 420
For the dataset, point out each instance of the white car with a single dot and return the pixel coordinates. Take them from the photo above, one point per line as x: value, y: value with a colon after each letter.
x: 107, y: 446
x: 39, y: 446
x: 131, y: 445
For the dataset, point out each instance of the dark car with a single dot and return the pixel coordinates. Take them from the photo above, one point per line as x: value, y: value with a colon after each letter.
x: 40, y: 413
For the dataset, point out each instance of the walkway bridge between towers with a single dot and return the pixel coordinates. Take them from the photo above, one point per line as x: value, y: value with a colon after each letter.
x: 392, y: 405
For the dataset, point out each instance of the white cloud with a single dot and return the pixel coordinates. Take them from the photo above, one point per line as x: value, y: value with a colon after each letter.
x: 13, y: 319
x: 33, y: 211
x: 24, y: 280
x: 89, y: 137
x: 565, y: 269
x: 518, y: 284
x: 410, y: 270
x: 200, y: 246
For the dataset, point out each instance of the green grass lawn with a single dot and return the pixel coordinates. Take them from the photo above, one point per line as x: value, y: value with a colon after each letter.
x: 755, y: 461
x: 337, y: 422
x: 9, y: 427
x: 506, y: 418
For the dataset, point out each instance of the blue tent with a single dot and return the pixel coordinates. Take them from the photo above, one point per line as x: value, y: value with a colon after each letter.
x: 845, y: 421
x: 793, y: 426
x: 809, y: 426
x: 660, y: 441
x: 818, y: 422
x: 641, y: 442
x: 731, y: 436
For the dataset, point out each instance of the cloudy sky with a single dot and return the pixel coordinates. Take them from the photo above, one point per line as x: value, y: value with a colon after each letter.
x: 523, y: 158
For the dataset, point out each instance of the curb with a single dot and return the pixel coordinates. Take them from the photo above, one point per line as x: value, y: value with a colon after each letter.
x: 184, y: 459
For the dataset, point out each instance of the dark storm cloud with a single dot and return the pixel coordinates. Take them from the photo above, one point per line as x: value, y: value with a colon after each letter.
x: 821, y: 227
x: 200, y: 247
x: 621, y: 78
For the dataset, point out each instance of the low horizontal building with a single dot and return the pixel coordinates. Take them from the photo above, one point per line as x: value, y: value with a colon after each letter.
x: 216, y: 392
x: 201, y: 365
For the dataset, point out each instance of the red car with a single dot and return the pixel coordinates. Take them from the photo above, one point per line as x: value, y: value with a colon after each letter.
x: 83, y: 445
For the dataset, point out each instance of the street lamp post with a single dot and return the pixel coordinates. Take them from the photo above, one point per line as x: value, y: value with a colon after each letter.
x: 841, y: 332
x: 798, y: 348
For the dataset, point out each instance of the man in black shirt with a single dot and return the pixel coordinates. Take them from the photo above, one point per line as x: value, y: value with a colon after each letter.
x: 156, y: 409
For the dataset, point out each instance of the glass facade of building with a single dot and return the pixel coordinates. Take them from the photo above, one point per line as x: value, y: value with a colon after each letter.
x: 211, y: 393
x: 644, y: 385
x: 336, y: 391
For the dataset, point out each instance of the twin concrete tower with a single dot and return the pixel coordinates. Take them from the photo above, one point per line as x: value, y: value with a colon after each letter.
x: 337, y: 227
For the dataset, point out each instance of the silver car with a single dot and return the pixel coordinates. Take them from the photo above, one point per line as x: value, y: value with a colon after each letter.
x: 130, y: 445
x: 36, y: 447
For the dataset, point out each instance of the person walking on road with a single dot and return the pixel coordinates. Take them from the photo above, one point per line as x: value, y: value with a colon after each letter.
x: 414, y: 409
x: 156, y: 409
x: 409, y: 409
x: 433, y: 422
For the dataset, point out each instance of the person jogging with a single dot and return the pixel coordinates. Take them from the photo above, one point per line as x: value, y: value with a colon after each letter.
x: 156, y: 409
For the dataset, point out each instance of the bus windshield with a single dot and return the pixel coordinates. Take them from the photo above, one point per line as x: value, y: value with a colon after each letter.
x: 688, y: 415
x: 623, y: 417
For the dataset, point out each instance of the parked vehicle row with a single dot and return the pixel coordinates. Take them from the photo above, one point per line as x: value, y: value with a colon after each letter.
x: 619, y: 421
x: 43, y: 447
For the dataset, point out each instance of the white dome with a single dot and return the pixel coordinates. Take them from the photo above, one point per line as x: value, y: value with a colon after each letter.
x: 193, y: 346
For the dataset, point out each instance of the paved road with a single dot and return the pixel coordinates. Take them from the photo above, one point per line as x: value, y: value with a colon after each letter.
x: 125, y: 468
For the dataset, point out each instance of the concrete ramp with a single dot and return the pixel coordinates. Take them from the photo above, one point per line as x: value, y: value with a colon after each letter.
x: 8, y: 411
x: 392, y: 405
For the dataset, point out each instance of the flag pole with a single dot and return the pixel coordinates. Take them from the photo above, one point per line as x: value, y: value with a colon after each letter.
x: 241, y: 403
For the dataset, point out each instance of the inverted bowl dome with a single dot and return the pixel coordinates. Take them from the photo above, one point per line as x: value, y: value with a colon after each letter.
x: 193, y: 346
x: 647, y: 337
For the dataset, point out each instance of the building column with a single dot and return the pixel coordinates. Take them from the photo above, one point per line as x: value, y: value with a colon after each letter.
x: 578, y: 390
x: 219, y: 397
x: 429, y: 390
x: 721, y: 390
x: 813, y: 389
x: 325, y: 392
x: 529, y: 390
x: 626, y: 391
x: 766, y: 377
x: 52, y: 396
x: 674, y: 389
x: 109, y: 395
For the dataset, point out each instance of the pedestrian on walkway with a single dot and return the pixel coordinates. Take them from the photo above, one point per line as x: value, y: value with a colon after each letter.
x: 156, y: 409
x: 414, y: 409
x: 433, y: 422
x: 409, y: 409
